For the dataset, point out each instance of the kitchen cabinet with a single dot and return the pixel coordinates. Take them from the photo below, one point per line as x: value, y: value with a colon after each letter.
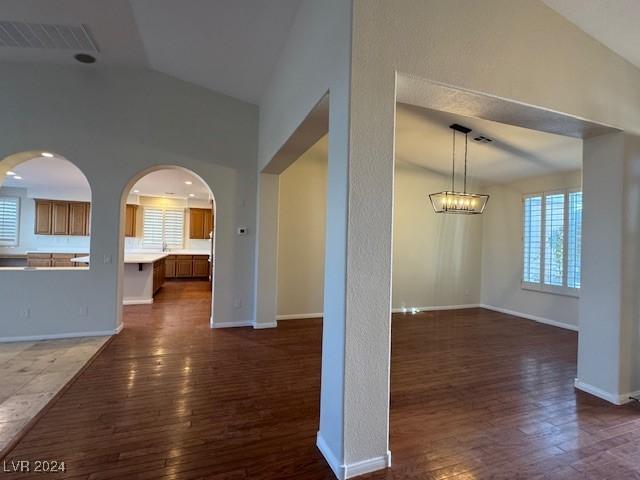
x: 56, y: 217
x: 187, y: 266
x: 170, y: 266
x: 184, y: 266
x: 60, y: 218
x: 200, y: 222
x: 78, y: 218
x: 201, y: 266
x: 43, y: 217
x: 158, y: 274
x: 62, y: 260
x: 39, y: 259
x: 131, y: 212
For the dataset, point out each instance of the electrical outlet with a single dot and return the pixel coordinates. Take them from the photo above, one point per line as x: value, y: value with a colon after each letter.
x: 107, y: 259
x: 24, y: 312
x: 84, y: 311
x: 237, y: 303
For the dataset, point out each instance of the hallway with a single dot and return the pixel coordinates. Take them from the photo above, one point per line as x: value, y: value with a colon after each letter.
x: 475, y: 394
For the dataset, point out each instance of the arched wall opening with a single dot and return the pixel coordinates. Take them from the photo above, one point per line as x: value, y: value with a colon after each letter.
x: 159, y: 205
x: 45, y: 213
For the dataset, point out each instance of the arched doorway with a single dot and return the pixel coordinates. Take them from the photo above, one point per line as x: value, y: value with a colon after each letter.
x: 167, y: 232
x: 45, y: 212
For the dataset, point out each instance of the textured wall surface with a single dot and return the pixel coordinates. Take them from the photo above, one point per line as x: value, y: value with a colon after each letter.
x: 502, y: 251
x: 114, y: 124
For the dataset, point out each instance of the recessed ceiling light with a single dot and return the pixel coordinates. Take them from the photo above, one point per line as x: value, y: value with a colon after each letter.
x: 136, y: 191
x: 47, y: 154
x: 10, y: 173
x: 17, y: 177
x: 188, y: 182
x: 192, y: 194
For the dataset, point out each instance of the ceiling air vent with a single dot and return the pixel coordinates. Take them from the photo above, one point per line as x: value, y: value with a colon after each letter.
x: 482, y: 139
x: 45, y: 35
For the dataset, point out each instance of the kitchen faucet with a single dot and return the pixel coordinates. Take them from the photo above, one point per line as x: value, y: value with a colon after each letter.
x: 164, y: 246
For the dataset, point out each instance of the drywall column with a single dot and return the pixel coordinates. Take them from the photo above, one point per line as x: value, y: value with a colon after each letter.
x: 266, y: 286
x: 609, y: 236
x: 357, y: 294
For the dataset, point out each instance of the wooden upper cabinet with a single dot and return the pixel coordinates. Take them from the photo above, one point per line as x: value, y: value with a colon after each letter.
x: 199, y: 223
x: 43, y: 217
x: 55, y: 217
x: 130, y: 220
x: 78, y: 218
x: 60, y: 218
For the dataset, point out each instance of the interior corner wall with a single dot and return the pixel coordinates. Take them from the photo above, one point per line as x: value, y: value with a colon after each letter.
x: 114, y: 124
x: 502, y: 252
x: 436, y: 258
x: 315, y: 60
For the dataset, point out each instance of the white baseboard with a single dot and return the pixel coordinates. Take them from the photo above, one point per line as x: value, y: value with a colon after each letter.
x: 344, y: 471
x: 336, y: 466
x: 137, y: 301
x: 434, y: 309
x: 58, y: 336
x: 616, y: 399
x: 230, y: 324
x: 296, y: 316
x: 259, y: 326
x: 367, y: 466
x: 535, y: 318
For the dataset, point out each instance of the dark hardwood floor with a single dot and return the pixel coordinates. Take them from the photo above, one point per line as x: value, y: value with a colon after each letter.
x: 475, y: 394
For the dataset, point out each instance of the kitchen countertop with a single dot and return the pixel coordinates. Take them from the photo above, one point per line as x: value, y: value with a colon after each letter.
x: 131, y: 257
x: 171, y: 252
x: 59, y: 250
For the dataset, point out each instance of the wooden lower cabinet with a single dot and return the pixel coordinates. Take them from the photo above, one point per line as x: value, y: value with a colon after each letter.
x: 201, y: 266
x: 170, y: 266
x: 187, y: 266
x: 61, y: 260
x: 158, y: 274
x: 184, y: 266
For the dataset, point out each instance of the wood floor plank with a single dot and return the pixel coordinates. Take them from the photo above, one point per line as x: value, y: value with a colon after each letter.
x: 474, y: 394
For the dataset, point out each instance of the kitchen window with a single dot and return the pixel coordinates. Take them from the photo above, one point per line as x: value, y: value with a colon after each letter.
x: 163, y: 226
x: 9, y: 221
x: 551, y: 240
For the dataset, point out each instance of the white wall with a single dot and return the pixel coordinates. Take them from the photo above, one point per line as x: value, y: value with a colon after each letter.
x: 28, y: 240
x: 436, y: 258
x: 114, y: 124
x: 301, y: 230
x: 502, y: 251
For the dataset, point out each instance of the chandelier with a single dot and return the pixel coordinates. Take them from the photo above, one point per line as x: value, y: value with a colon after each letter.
x: 459, y: 202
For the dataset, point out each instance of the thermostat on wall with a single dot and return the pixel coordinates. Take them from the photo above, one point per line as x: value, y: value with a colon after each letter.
x: 243, y: 230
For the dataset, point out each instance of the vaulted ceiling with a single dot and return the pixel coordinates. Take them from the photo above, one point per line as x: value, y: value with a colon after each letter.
x: 229, y: 46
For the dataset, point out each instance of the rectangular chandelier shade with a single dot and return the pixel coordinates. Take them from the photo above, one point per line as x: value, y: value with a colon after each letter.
x: 458, y: 202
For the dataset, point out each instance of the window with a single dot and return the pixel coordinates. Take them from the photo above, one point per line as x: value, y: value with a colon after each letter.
x: 552, y: 236
x: 163, y: 225
x: 9, y: 218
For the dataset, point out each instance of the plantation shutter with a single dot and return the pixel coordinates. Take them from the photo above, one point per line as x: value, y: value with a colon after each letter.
x: 152, y: 229
x: 554, y: 239
x: 574, y: 240
x: 174, y: 227
x: 532, y: 238
x: 9, y: 221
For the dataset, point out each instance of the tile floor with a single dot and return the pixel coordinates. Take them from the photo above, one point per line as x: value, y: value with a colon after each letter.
x: 31, y: 373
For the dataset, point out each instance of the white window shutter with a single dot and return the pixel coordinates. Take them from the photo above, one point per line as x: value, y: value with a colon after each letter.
x: 9, y: 221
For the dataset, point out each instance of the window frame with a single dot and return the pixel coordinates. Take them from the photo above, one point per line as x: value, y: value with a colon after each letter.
x: 541, y: 286
x: 16, y: 241
x: 153, y: 246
